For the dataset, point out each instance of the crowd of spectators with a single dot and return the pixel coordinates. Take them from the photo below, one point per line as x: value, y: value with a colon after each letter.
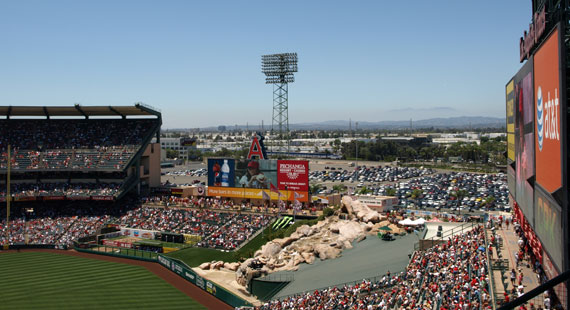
x: 59, y: 223
x: 235, y: 232
x: 62, y: 222
x: 72, y: 144
x: 451, y: 275
x: 222, y: 230
x: 69, y: 190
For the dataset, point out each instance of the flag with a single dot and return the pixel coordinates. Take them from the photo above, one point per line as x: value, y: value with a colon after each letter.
x: 296, y: 195
x: 274, y: 189
x: 265, y: 195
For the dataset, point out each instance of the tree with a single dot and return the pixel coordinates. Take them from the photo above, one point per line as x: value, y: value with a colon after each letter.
x: 390, y: 191
x: 314, y: 188
x: 170, y: 153
x: 364, y: 190
x: 339, y: 188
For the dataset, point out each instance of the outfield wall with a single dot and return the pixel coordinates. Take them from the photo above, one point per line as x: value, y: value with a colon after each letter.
x: 187, y: 273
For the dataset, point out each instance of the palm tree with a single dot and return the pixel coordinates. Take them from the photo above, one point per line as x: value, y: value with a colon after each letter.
x: 339, y: 188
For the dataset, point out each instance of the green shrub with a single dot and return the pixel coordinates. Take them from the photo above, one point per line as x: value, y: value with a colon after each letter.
x: 328, y: 212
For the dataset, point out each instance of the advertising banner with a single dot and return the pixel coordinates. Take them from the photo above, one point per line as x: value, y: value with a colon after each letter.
x: 138, y: 233
x: 548, y: 228
x: 547, y: 111
x: 105, y: 198
x: 53, y: 197
x: 256, y: 173
x: 524, y: 138
x: 79, y: 197
x: 117, y: 243
x: 221, y: 172
x: 510, y: 89
x: 253, y: 193
x: 511, y: 180
x: 293, y: 175
x: 188, y: 141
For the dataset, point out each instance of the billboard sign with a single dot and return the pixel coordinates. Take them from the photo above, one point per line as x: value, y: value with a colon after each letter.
x: 255, y: 173
x: 260, y: 179
x: 547, y: 113
x: 293, y: 175
x: 510, y: 90
x: 254, y: 193
x: 524, y: 138
x: 548, y: 228
x: 188, y: 142
x: 221, y: 172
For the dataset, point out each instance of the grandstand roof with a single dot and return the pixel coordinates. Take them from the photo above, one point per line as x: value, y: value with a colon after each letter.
x: 79, y: 111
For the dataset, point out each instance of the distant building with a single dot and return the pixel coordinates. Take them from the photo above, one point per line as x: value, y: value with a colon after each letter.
x: 378, y: 203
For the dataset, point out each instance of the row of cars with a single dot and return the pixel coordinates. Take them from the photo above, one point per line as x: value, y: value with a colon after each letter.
x: 454, y: 191
x: 188, y: 172
x: 368, y: 174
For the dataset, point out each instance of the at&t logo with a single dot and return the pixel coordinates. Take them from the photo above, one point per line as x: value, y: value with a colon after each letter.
x: 547, y: 117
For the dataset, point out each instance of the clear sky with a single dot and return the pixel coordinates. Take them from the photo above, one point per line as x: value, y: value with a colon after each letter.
x: 199, y: 62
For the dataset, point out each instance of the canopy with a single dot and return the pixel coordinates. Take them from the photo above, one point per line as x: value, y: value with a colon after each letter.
x: 409, y: 222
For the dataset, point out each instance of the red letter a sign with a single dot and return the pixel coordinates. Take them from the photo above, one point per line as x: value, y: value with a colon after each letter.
x: 255, y: 150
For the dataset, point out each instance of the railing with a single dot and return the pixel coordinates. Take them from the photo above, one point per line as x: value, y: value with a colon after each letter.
x: 445, y: 234
x: 121, y: 252
x: 533, y: 295
x: 492, y: 289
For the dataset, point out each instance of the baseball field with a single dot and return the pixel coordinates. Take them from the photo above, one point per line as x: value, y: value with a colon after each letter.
x: 41, y: 280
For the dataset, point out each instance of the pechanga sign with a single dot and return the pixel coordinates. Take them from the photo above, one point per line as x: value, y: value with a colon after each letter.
x: 535, y: 31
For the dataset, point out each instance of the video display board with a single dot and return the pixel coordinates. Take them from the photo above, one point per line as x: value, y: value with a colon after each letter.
x: 548, y: 228
x: 510, y: 90
x: 260, y: 179
x: 547, y: 110
x: 221, y: 172
x: 524, y: 138
x: 256, y: 173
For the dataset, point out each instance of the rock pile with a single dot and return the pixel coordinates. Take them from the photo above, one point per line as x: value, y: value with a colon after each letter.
x: 325, y: 240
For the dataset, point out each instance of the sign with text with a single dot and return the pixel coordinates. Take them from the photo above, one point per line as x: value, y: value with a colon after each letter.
x: 548, y: 227
x: 524, y: 138
x: 293, y: 175
x: 510, y: 90
x: 548, y: 132
x: 254, y: 193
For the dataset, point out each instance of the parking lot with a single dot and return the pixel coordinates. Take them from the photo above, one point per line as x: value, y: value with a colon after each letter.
x: 418, y: 188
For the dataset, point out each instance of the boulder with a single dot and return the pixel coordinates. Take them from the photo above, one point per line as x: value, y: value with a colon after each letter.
x: 309, y: 257
x: 324, y: 251
x: 362, y: 237
x: 349, y: 230
x: 231, y: 266
x: 346, y: 205
x: 304, y: 230
x: 217, y: 265
x: 204, y: 266
x: 270, y: 249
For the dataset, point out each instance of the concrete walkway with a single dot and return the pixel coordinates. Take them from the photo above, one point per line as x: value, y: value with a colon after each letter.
x: 502, y: 277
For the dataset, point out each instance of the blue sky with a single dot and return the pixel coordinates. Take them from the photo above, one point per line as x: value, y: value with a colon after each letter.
x: 199, y: 62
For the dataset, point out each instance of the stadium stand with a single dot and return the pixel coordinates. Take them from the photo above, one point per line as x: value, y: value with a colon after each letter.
x: 79, y: 151
x: 452, y: 275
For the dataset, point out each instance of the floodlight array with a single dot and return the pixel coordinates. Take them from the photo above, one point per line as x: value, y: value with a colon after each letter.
x: 279, y: 68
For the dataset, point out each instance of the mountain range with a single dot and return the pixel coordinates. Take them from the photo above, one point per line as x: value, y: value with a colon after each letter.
x: 461, y: 122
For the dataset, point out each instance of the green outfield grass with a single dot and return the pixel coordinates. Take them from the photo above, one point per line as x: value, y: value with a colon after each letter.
x: 37, y: 280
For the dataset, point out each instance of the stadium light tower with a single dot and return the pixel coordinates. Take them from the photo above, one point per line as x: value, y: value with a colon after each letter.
x: 279, y: 69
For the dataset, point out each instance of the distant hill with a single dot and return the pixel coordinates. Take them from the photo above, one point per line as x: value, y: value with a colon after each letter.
x: 461, y: 122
